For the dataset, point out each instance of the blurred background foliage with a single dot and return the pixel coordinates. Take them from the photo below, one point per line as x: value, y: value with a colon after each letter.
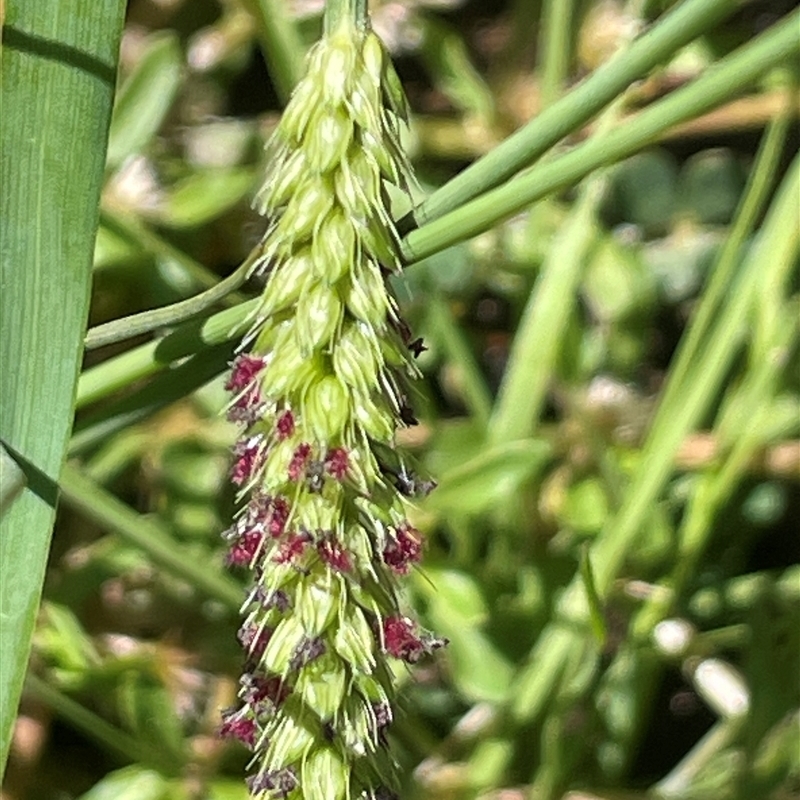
x: 685, y: 684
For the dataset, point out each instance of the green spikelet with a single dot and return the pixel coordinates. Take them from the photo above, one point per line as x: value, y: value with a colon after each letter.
x: 320, y: 395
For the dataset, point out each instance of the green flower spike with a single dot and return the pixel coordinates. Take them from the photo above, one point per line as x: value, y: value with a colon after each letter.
x: 320, y: 395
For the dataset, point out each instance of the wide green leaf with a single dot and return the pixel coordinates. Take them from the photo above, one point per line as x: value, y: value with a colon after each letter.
x: 58, y: 72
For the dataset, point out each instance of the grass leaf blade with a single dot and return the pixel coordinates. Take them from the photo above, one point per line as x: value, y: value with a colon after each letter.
x: 58, y: 71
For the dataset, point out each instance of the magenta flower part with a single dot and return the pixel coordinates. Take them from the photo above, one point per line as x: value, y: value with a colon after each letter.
x: 237, y: 725
x: 245, y: 549
x: 403, y: 549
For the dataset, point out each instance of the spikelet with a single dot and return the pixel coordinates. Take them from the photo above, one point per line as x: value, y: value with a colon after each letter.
x: 320, y: 395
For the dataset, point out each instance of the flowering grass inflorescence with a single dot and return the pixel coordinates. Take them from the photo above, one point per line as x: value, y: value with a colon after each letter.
x: 320, y: 393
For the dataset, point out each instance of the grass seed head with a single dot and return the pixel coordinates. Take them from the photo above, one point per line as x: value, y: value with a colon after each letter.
x: 320, y: 398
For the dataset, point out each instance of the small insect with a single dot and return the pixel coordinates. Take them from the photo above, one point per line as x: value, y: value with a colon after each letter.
x: 417, y: 347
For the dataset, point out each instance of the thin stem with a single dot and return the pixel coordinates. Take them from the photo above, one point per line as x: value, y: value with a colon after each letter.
x: 675, y: 30
x: 538, y: 339
x: 280, y: 44
x: 352, y: 11
x: 129, y: 747
x: 117, y: 373
x: 545, y: 670
x: 778, y: 245
x: 728, y: 77
x: 753, y: 402
x: 100, y: 506
x: 135, y: 325
x: 762, y: 178
x: 555, y: 44
x: 145, y: 360
x: 743, y: 66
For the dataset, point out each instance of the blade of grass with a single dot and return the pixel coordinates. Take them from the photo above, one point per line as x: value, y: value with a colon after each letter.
x: 12, y: 480
x: 728, y: 77
x: 666, y: 37
x: 714, y: 488
x: 776, y: 250
x: 753, y: 401
x: 95, y: 503
x: 538, y: 338
x: 280, y: 43
x: 711, y: 490
x: 53, y: 144
x: 761, y: 180
x: 144, y: 98
x: 131, y: 748
x: 166, y: 388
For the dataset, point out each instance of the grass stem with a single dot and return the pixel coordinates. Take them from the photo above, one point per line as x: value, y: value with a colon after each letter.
x: 728, y: 77
x: 95, y: 503
x: 688, y: 21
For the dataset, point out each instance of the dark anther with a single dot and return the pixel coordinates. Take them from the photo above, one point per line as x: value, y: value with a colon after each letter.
x: 410, y: 485
x: 402, y: 328
x: 407, y: 414
x: 280, y: 782
x: 307, y: 651
x: 315, y: 476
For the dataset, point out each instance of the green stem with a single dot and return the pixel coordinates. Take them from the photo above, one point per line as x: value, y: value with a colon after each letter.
x: 147, y: 359
x: 353, y: 12
x: 728, y: 77
x: 555, y: 44
x: 129, y: 747
x: 777, y: 247
x: 168, y: 387
x: 280, y: 44
x: 674, y: 31
x: 775, y: 253
x: 100, y: 506
x: 762, y: 178
x: 743, y: 66
x: 117, y: 373
x: 137, y: 324
x: 713, y: 489
x: 538, y: 340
